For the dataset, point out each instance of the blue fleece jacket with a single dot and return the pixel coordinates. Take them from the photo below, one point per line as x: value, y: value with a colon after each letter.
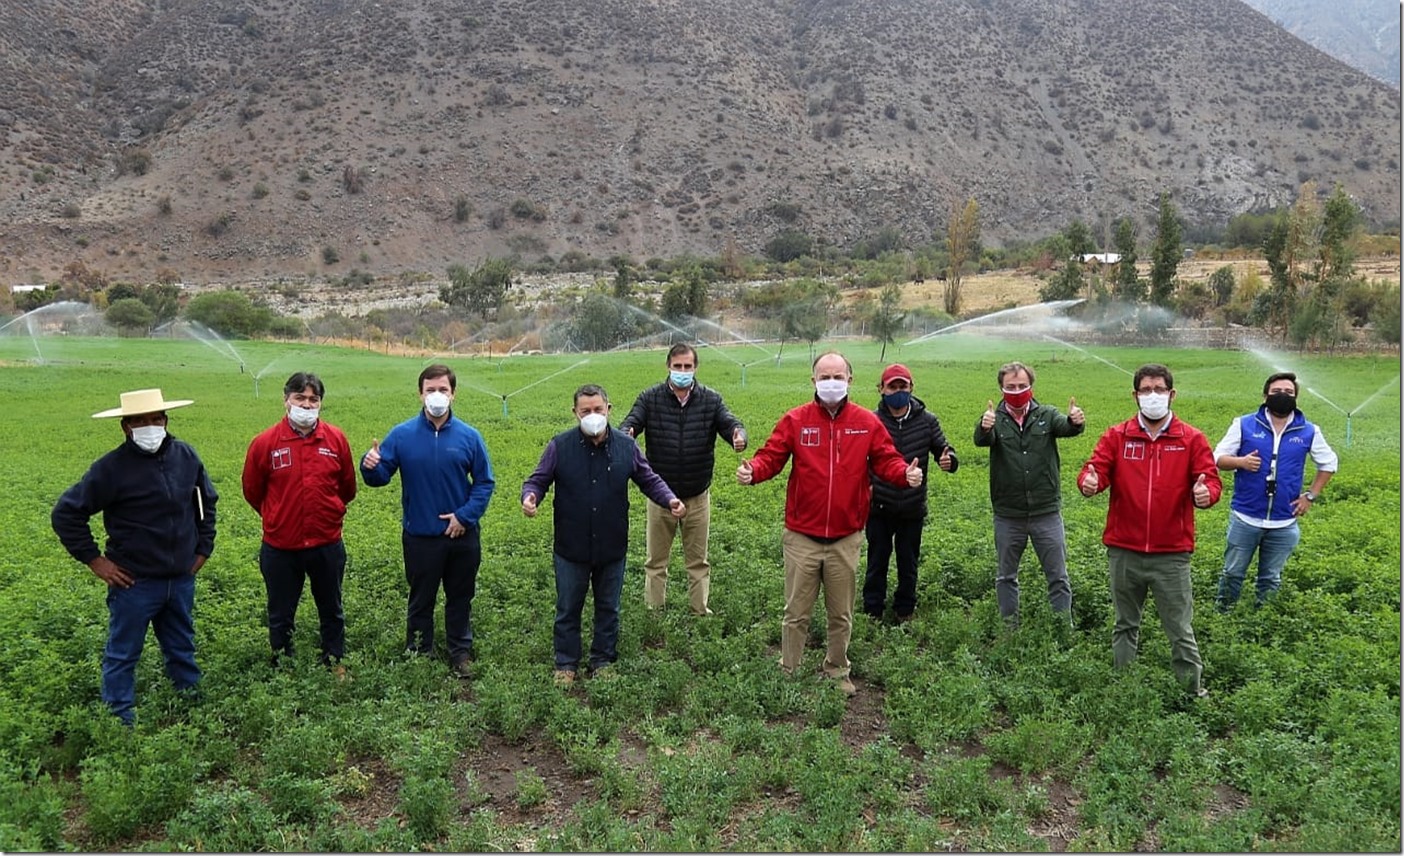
x: 442, y: 471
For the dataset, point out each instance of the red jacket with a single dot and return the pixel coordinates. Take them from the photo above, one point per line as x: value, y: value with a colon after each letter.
x: 1152, y: 507
x: 828, y: 494
x: 300, y: 486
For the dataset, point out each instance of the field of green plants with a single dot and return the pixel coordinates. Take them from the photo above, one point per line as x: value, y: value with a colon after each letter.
x: 963, y: 735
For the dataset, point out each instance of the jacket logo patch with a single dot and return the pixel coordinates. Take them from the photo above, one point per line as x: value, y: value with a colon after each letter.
x: 1134, y: 450
x: 282, y: 458
x: 1259, y: 435
x: 323, y: 450
x: 809, y: 437
x: 1296, y: 440
x: 851, y: 431
x: 1174, y: 447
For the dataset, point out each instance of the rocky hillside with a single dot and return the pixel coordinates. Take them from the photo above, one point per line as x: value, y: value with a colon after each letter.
x: 1361, y: 33
x: 238, y: 139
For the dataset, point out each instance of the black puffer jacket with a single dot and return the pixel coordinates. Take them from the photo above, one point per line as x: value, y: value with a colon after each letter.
x: 916, y: 435
x: 680, y: 445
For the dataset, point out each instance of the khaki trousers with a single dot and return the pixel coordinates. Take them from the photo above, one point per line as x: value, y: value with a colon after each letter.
x: 809, y: 564
x: 662, y: 528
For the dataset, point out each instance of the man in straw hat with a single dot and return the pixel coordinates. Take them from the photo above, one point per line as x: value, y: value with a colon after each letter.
x: 158, y: 508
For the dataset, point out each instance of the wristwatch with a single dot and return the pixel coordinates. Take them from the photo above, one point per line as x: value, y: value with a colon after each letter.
x: 1309, y: 496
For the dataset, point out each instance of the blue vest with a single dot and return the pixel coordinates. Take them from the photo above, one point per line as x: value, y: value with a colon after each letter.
x: 592, y: 496
x: 1250, y: 490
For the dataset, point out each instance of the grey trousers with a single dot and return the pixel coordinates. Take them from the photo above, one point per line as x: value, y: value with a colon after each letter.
x: 1166, y: 577
x: 1012, y: 535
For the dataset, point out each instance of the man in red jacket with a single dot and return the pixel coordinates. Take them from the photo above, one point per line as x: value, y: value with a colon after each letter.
x: 299, y: 476
x: 834, y: 446
x: 1159, y: 469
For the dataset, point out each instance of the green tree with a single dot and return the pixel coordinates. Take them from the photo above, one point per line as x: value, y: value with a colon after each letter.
x: 229, y: 313
x: 788, y: 245
x: 806, y: 314
x: 887, y: 316
x: 1066, y: 285
x: 1166, y: 253
x: 686, y: 295
x: 130, y: 316
x: 1339, y: 222
x: 480, y: 290
x: 163, y: 299
x: 600, y: 322
x: 962, y: 244
x: 1129, y: 286
x: 1221, y: 285
x: 1079, y: 237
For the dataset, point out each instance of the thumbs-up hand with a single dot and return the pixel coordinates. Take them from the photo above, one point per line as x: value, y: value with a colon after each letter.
x: 1201, y: 492
x: 914, y: 474
x: 1089, y: 482
x: 743, y: 473
x: 1250, y: 462
x: 1075, y: 414
x: 629, y: 431
x: 945, y: 462
x: 738, y: 440
x: 372, y: 458
x: 529, y: 505
x: 987, y: 420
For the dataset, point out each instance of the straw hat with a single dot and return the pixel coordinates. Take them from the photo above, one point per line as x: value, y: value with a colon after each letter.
x: 139, y: 402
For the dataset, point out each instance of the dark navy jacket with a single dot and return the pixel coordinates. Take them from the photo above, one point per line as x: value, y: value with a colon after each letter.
x: 916, y: 435
x: 149, y: 509
x: 592, y: 492
x: 681, y: 443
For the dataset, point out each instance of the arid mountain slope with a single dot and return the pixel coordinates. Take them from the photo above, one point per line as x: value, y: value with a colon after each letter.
x: 241, y: 139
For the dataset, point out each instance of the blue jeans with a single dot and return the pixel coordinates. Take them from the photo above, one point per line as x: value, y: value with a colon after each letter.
x: 887, y: 535
x: 1273, y: 547
x: 164, y: 603
x: 573, y: 580
x: 283, y: 572
x: 432, y: 561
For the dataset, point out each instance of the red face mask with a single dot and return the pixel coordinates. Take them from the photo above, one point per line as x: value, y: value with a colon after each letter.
x: 1018, y: 400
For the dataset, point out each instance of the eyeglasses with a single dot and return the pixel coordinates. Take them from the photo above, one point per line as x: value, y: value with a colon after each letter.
x: 1159, y: 390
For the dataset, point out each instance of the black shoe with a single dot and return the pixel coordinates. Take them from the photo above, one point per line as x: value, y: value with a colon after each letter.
x: 903, y: 618
x: 462, y: 665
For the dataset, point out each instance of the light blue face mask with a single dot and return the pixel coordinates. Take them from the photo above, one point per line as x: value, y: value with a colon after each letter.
x: 682, y: 380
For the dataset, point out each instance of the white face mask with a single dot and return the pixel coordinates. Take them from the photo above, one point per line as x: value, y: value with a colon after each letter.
x: 831, y: 391
x: 594, y: 424
x: 1155, y: 405
x: 303, y: 417
x: 149, y: 437
x: 436, y: 403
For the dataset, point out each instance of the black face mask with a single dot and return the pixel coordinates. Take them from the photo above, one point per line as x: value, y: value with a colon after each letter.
x: 1281, y: 403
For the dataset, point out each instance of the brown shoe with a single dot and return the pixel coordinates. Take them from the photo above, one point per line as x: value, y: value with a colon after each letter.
x: 564, y: 678
x: 846, y: 686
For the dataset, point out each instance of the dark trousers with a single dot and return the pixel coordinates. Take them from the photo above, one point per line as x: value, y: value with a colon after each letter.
x: 573, y: 581
x: 888, y: 535
x: 283, y: 572
x: 432, y: 561
x: 166, y: 605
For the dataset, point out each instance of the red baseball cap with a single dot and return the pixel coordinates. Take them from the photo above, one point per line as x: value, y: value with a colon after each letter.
x: 894, y: 371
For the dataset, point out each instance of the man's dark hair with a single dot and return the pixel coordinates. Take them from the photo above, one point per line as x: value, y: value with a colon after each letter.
x: 1292, y: 376
x: 588, y: 390
x: 438, y: 370
x: 302, y: 380
x: 683, y: 348
x: 1014, y: 368
x: 1152, y: 370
